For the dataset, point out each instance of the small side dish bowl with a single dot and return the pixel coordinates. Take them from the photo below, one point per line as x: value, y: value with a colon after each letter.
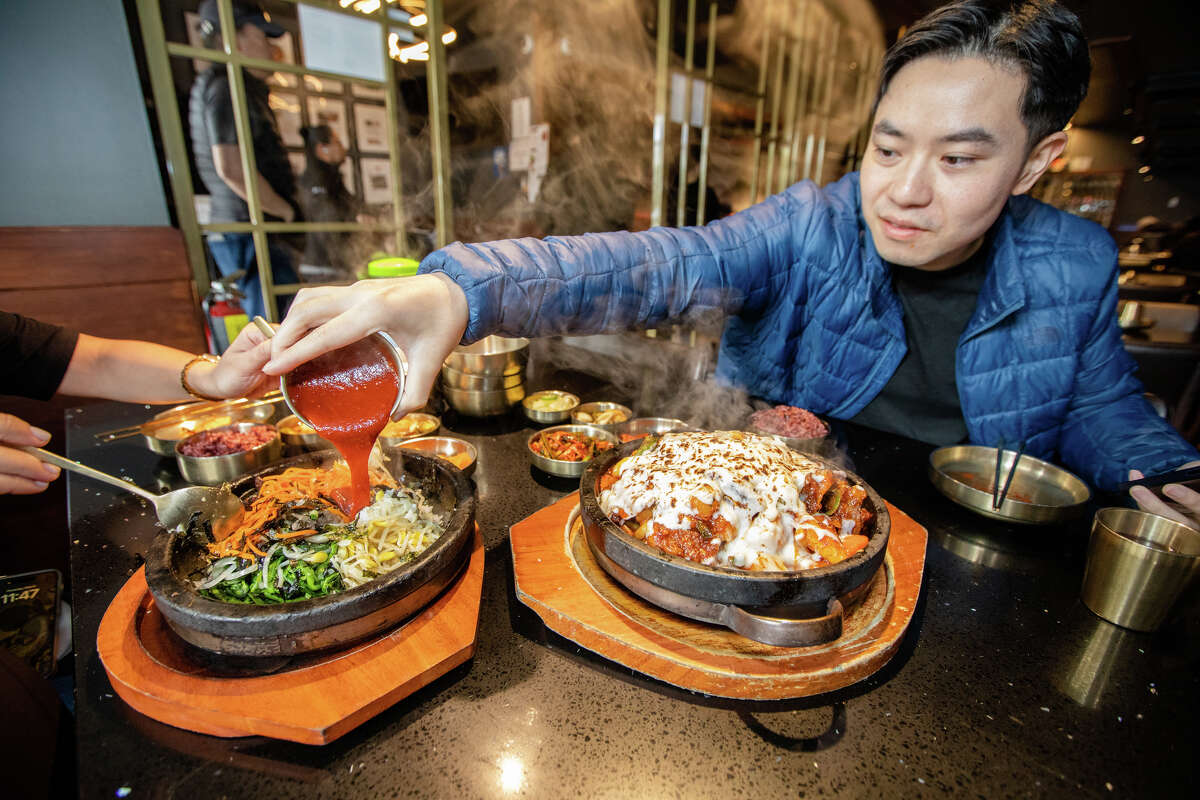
x: 561, y: 467
x: 608, y: 416
x: 459, y: 452
x: 217, y: 469
x: 648, y: 426
x: 410, y: 426
x: 468, y: 382
x: 1040, y: 494
x: 550, y: 406
x: 491, y: 355
x: 295, y: 433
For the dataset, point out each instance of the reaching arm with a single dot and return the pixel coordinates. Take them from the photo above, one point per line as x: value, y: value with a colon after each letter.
x: 143, y: 372
x: 228, y: 161
x: 529, y: 287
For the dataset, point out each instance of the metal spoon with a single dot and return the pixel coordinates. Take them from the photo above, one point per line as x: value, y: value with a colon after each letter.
x: 216, y: 505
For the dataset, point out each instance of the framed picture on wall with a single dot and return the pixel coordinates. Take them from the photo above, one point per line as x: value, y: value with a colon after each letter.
x: 377, y: 181
x: 288, y: 117
x: 331, y: 112
x: 370, y: 126
x: 368, y: 92
x: 315, y: 84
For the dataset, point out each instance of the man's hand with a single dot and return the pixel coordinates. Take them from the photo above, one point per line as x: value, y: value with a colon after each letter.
x: 425, y: 314
x: 21, y: 473
x: 239, y: 372
x: 1188, y: 509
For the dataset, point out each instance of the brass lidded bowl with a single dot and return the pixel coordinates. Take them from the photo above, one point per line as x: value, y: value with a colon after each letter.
x: 547, y: 417
x: 586, y: 413
x: 467, y: 381
x: 567, y: 469
x: 491, y: 355
x: 1040, y: 494
x: 216, y: 470
x: 483, y: 404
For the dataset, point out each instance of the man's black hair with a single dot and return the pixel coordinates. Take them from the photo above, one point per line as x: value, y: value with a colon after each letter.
x: 1042, y: 38
x: 314, y: 135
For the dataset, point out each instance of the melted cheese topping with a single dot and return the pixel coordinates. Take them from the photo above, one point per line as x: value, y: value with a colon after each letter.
x: 755, y: 482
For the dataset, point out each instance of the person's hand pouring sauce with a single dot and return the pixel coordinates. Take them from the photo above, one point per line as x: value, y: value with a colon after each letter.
x: 347, y: 394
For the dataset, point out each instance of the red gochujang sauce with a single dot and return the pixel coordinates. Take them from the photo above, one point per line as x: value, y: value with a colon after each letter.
x: 348, y: 395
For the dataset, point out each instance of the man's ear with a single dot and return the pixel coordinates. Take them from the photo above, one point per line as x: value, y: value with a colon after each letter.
x: 1039, y: 160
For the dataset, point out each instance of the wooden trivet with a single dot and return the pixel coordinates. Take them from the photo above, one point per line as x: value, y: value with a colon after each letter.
x: 312, y: 700
x: 557, y: 576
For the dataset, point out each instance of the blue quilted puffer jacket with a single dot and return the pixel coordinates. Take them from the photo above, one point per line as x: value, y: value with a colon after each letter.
x: 814, y: 321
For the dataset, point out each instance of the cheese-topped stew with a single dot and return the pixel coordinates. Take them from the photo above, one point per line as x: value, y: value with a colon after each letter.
x: 735, y: 499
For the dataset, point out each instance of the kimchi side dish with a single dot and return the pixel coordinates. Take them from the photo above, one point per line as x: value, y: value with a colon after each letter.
x: 735, y: 499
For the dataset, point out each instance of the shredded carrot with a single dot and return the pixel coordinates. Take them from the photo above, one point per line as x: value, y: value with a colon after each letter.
x: 294, y: 534
x: 275, y: 491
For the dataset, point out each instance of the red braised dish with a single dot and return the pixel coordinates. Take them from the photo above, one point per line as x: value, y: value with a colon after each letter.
x: 735, y: 499
x: 567, y: 446
x: 225, y: 441
x: 795, y: 423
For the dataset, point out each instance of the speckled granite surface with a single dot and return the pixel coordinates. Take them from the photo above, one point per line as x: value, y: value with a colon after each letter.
x: 1005, y: 685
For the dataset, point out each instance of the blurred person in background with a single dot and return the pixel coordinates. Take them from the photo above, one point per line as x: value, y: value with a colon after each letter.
x: 219, y: 161
x: 328, y: 255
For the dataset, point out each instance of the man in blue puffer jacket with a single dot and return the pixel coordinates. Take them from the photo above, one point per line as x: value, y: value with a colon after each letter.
x: 925, y: 296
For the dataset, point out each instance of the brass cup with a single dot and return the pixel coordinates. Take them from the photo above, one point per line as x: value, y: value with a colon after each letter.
x: 1138, y: 565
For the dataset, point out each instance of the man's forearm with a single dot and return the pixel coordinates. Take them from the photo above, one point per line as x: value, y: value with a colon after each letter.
x: 229, y: 167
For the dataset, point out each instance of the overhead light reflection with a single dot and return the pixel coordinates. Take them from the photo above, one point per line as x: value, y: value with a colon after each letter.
x: 449, y: 36
x: 512, y: 774
x: 1137, y: 140
x: 418, y: 20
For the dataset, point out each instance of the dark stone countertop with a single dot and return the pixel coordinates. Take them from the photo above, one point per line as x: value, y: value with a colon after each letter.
x: 1005, y: 685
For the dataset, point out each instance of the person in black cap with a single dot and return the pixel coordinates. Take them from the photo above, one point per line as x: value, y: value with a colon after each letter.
x: 218, y: 160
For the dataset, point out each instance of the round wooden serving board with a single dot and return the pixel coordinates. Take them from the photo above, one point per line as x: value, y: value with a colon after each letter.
x: 311, y: 699
x: 557, y: 576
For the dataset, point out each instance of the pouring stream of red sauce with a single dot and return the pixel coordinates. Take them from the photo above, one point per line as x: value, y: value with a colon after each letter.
x: 348, y: 395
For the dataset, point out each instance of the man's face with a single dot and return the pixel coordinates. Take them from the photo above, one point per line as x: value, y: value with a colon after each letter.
x: 251, y: 41
x: 948, y: 147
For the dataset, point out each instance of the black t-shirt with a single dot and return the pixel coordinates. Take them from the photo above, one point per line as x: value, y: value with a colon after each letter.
x: 325, y: 198
x: 921, y: 399
x: 35, y: 356
x: 210, y: 118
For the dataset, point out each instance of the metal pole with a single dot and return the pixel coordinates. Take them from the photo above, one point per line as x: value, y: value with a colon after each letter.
x: 803, y: 102
x: 171, y: 128
x: 827, y: 100
x: 391, y: 105
x: 760, y: 101
x: 706, y: 131
x: 818, y: 76
x: 439, y: 123
x: 661, y: 77
x: 686, y: 127
x: 791, y: 91
x: 776, y: 89
x: 241, y: 122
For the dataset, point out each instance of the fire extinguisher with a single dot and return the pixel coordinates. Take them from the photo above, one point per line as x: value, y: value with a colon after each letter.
x: 223, y: 310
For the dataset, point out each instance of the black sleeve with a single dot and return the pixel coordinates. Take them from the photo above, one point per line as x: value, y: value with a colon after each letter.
x: 35, y: 356
x: 218, y: 112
